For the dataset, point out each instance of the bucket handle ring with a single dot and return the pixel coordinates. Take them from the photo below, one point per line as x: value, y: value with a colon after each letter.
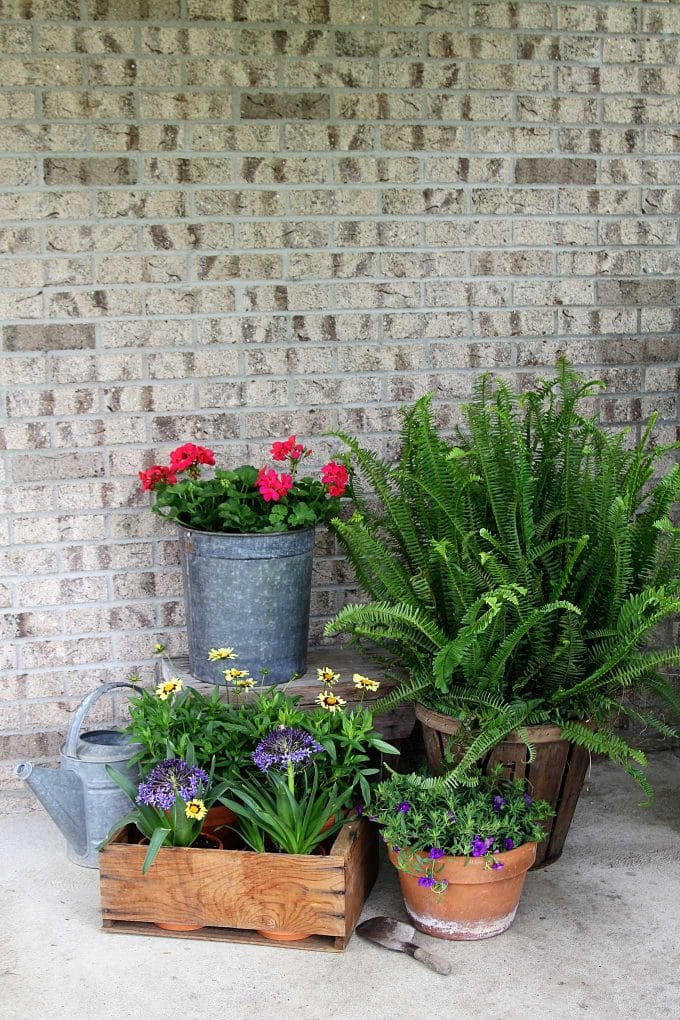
x: 70, y: 744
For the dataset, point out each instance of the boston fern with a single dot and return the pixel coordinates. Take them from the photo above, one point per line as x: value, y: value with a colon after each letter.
x: 517, y: 573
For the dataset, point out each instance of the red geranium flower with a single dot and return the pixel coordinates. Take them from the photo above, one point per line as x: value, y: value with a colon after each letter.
x: 272, y: 486
x: 186, y: 456
x: 155, y: 474
x: 289, y: 448
x: 335, y: 478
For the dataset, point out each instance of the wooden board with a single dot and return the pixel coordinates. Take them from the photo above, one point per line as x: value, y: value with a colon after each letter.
x: 227, y: 890
x: 315, y: 943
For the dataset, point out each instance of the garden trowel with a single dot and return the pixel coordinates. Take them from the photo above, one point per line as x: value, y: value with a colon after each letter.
x: 393, y: 934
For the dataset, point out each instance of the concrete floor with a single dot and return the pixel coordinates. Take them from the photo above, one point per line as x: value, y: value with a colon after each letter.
x: 597, y: 935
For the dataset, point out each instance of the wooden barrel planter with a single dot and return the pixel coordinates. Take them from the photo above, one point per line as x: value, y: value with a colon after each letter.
x: 556, y: 774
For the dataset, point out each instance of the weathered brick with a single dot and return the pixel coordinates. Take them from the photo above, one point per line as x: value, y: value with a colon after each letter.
x: 555, y: 171
x: 277, y: 106
x: 48, y: 338
x: 635, y: 292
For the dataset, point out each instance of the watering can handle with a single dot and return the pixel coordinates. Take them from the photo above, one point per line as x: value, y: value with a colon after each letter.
x: 83, y: 708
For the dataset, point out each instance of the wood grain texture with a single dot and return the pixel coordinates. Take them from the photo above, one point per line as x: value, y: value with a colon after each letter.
x: 239, y: 889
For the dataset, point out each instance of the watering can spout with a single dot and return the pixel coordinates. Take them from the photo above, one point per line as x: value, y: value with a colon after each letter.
x: 61, y: 794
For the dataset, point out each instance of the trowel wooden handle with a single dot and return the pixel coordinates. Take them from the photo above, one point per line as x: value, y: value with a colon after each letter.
x: 435, y: 963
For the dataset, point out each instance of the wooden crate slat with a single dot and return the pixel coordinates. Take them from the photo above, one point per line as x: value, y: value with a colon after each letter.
x: 315, y: 943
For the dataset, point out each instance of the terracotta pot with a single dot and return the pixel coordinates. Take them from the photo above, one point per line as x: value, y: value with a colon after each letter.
x: 217, y: 817
x: 280, y: 934
x: 478, y: 903
x: 556, y: 774
x: 216, y: 844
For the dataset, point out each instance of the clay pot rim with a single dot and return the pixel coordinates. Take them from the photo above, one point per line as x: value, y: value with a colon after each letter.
x: 472, y: 870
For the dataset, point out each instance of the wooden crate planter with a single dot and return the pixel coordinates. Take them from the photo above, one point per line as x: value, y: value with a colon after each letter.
x: 235, y: 892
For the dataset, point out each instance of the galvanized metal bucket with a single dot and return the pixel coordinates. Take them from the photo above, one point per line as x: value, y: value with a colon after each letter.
x: 250, y: 593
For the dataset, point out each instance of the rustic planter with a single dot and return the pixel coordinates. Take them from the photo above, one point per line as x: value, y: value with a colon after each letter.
x: 556, y: 774
x: 233, y: 893
x: 251, y: 593
x: 480, y: 902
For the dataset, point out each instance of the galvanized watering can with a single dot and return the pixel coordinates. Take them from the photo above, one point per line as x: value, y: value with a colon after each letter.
x: 80, y: 796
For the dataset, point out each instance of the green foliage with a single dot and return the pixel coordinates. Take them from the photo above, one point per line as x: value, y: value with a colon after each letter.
x: 231, y: 502
x: 516, y: 574
x: 290, y: 817
x: 487, y: 816
x: 220, y: 736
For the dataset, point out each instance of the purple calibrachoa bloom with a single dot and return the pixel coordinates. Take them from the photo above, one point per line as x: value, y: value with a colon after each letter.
x: 451, y: 818
x: 168, y: 779
x: 436, y: 853
x: 284, y: 747
x: 509, y: 843
x: 480, y: 845
x: 426, y: 881
x: 527, y: 799
x: 395, y: 849
x: 499, y: 802
x: 496, y: 865
x: 404, y: 807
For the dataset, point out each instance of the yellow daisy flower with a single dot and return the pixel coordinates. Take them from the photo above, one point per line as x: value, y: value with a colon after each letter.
x: 221, y: 653
x: 235, y: 674
x: 245, y: 684
x: 331, y: 702
x: 196, y: 810
x: 173, y: 686
x: 134, y: 678
x: 327, y: 676
x: 365, y: 683
x: 159, y: 649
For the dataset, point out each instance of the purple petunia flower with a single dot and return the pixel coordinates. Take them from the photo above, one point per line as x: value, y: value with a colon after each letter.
x: 359, y: 809
x: 426, y: 881
x: 404, y: 807
x: 499, y: 802
x: 283, y: 747
x: 496, y: 865
x: 509, y: 843
x: 395, y: 849
x: 527, y: 799
x: 436, y: 853
x: 480, y: 845
x: 169, y: 779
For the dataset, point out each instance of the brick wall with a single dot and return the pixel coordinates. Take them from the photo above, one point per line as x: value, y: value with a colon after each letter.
x: 227, y: 221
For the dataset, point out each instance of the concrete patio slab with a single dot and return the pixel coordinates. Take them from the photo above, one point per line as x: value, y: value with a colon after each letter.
x: 597, y: 935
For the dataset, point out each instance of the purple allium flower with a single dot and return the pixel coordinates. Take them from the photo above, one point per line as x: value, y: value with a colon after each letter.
x: 509, y: 843
x: 404, y: 807
x: 168, y: 779
x: 496, y: 865
x: 480, y: 845
x: 436, y: 853
x: 499, y: 802
x: 426, y: 881
x: 527, y: 799
x: 283, y: 747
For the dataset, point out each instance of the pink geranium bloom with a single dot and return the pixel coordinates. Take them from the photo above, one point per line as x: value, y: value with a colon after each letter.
x: 335, y: 478
x: 186, y: 456
x: 155, y: 475
x: 272, y: 486
x: 289, y: 449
